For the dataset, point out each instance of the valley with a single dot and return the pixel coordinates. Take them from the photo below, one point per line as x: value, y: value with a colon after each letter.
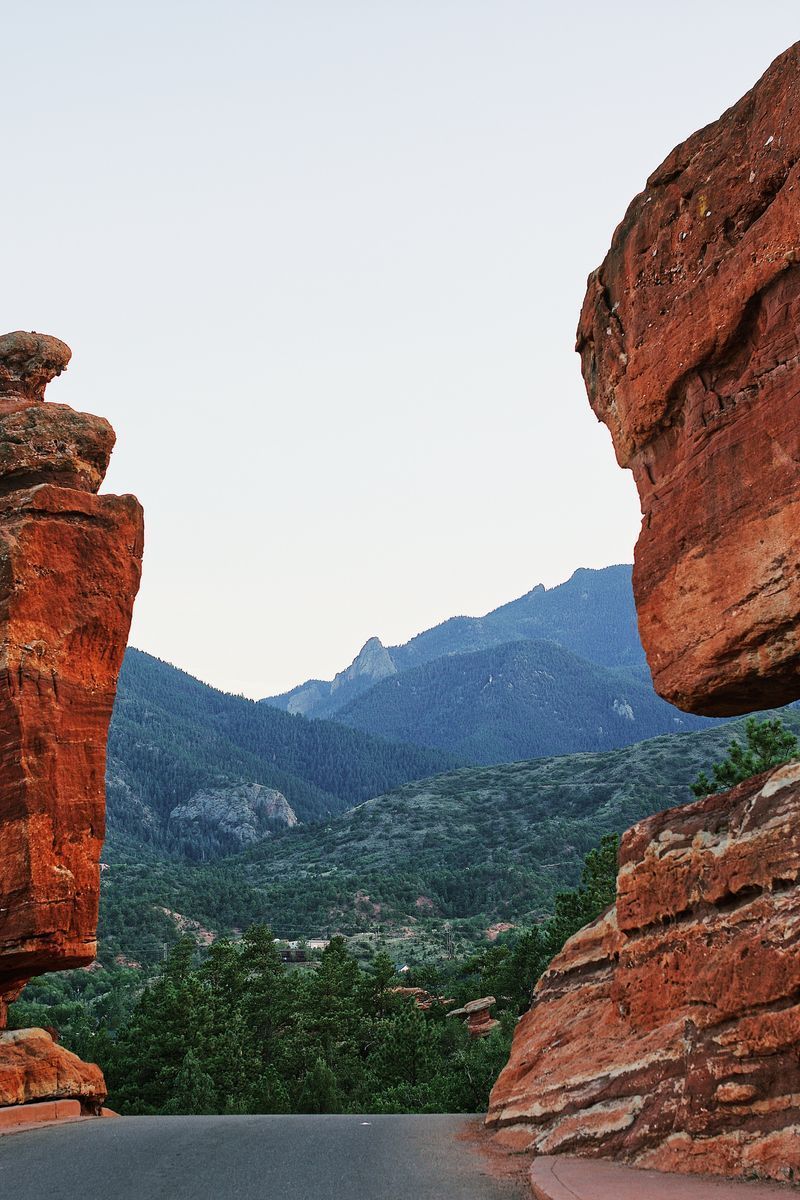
x: 455, y: 790
x: 425, y: 870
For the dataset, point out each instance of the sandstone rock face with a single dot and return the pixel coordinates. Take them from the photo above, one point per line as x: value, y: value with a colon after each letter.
x: 690, y: 346
x: 28, y: 361
x: 667, y: 1033
x: 70, y: 563
x: 33, y: 1068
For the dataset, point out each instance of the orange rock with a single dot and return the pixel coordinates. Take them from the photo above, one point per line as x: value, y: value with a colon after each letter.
x: 50, y: 443
x: 28, y: 361
x: 70, y: 564
x: 33, y: 1068
x: 691, y: 356
x: 667, y: 1033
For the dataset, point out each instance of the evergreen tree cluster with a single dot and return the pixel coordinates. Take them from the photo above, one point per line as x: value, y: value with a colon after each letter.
x: 765, y: 743
x: 172, y: 735
x: 238, y: 1031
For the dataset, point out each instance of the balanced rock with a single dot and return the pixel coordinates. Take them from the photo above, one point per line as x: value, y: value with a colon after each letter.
x: 690, y: 347
x: 666, y: 1034
x: 28, y: 361
x: 70, y: 563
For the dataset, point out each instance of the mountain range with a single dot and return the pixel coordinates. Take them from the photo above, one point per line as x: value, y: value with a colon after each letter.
x: 455, y: 783
x: 201, y: 773
x: 556, y: 671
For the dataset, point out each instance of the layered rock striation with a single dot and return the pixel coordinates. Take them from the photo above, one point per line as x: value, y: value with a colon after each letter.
x: 477, y: 1016
x: 667, y: 1033
x: 70, y: 563
x: 690, y: 347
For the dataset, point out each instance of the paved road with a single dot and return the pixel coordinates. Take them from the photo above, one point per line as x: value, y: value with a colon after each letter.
x: 251, y: 1158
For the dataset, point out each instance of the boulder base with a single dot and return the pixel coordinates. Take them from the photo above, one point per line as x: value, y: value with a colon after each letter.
x: 34, y: 1068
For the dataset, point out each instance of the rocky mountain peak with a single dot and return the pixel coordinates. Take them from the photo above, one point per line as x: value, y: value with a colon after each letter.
x: 373, y: 662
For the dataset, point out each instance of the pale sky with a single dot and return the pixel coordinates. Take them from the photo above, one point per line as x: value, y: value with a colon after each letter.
x: 320, y: 262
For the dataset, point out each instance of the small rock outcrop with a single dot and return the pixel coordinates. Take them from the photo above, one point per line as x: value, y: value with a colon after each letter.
x: 422, y: 999
x: 476, y: 1016
x: 666, y: 1034
x: 70, y: 563
x: 233, y: 817
x: 372, y: 663
x: 320, y: 698
x: 690, y: 347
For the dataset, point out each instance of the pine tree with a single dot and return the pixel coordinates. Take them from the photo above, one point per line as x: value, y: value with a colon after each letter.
x: 319, y: 1092
x: 767, y: 743
x: 194, y: 1091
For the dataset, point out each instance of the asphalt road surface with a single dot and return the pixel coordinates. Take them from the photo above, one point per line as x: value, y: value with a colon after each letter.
x: 252, y: 1158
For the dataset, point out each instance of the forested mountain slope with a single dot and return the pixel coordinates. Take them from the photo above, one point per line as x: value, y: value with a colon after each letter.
x: 516, y: 701
x: 556, y: 671
x: 173, y: 736
x: 591, y: 615
x: 470, y: 847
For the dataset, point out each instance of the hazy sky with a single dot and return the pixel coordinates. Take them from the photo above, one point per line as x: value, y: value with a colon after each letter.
x: 320, y: 263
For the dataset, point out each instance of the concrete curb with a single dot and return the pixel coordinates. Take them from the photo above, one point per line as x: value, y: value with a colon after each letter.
x: 18, y: 1117
x: 563, y: 1178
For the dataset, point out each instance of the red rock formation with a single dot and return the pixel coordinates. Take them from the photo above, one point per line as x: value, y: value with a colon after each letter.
x: 690, y: 347
x: 479, y: 1022
x: 421, y: 998
x: 69, y: 571
x: 34, y: 1068
x: 667, y: 1033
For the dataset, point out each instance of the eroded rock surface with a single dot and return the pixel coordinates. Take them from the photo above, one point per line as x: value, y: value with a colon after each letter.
x: 28, y: 361
x: 667, y: 1033
x: 70, y: 563
x: 690, y: 347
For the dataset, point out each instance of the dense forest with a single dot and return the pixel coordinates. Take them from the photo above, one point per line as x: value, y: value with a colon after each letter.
x: 235, y: 1030
x: 225, y: 1025
x: 431, y: 863
x: 172, y: 735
